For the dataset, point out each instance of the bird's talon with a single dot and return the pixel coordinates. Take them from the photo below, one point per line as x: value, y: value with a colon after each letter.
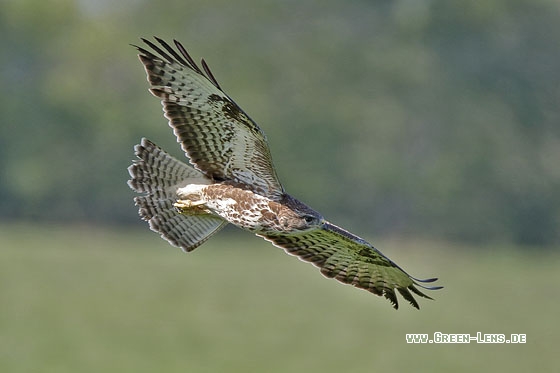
x: 186, y: 206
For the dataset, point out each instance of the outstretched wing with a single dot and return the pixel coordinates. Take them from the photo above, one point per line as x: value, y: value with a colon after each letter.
x: 218, y: 137
x: 351, y: 260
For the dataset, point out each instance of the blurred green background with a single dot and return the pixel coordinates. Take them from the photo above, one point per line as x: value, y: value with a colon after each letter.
x: 429, y: 127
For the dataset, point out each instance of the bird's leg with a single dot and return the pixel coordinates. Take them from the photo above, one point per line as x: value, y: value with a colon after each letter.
x: 190, y: 207
x: 191, y: 200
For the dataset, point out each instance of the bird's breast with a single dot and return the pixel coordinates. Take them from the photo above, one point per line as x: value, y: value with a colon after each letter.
x: 243, y: 208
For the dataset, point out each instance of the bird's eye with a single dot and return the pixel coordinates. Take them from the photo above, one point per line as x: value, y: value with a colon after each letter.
x: 309, y: 219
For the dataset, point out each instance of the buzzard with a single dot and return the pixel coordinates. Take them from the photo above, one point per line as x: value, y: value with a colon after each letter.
x: 231, y: 179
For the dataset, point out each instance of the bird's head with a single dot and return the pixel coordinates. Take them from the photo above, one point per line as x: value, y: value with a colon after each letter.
x: 297, y: 216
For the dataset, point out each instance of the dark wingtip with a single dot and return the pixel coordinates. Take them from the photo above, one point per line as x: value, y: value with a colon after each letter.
x: 433, y: 279
x: 432, y: 287
x: 419, y: 282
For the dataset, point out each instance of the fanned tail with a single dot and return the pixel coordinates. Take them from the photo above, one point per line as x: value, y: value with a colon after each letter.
x: 158, y: 175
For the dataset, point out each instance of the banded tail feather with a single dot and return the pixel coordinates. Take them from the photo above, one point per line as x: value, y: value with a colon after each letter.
x: 158, y: 175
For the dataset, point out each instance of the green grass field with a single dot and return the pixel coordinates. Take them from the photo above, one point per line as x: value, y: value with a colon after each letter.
x: 82, y: 299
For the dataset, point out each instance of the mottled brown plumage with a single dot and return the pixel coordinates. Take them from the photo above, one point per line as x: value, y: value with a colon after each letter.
x: 232, y: 180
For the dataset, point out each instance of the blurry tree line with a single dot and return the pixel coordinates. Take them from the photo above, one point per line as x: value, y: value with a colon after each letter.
x: 410, y: 117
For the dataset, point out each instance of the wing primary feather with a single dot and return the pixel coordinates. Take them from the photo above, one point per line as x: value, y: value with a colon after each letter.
x: 191, y: 63
x: 145, y: 52
x: 392, y: 297
x: 172, y: 51
x: 406, y: 295
x: 433, y: 279
x: 209, y: 74
x: 158, y: 50
x: 426, y: 281
x: 429, y: 287
x: 418, y: 292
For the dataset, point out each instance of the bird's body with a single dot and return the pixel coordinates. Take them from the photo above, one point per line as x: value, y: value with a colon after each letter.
x: 231, y: 179
x: 244, y: 208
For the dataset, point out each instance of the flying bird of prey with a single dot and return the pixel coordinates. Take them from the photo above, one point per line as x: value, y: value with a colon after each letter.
x: 231, y: 179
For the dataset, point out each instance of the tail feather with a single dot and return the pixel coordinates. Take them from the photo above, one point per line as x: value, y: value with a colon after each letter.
x: 158, y: 171
x: 158, y: 175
